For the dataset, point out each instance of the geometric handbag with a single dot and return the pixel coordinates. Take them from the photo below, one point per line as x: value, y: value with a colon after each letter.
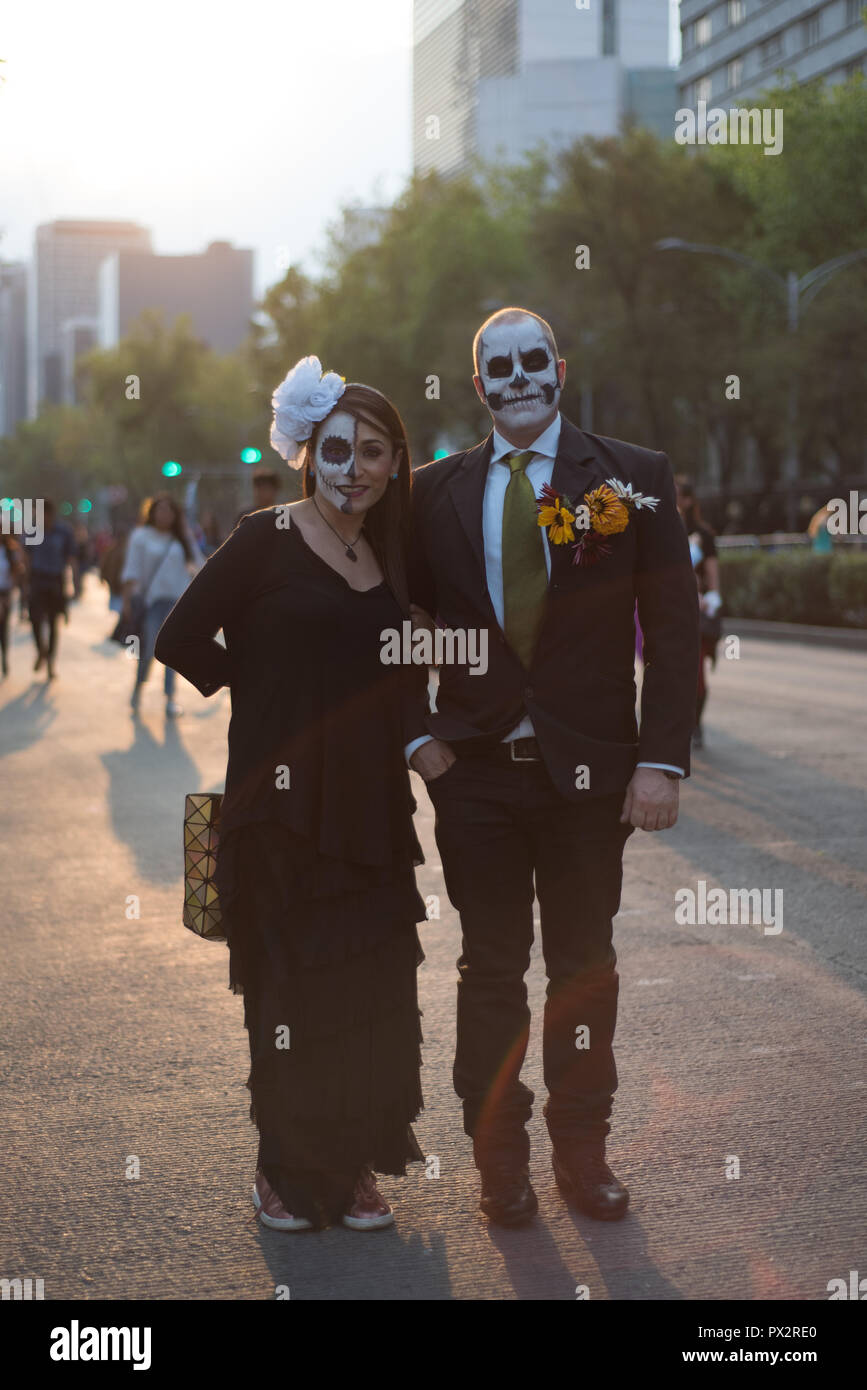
x: 201, y: 835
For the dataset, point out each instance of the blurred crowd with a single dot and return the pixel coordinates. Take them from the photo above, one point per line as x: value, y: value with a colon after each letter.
x: 145, y: 568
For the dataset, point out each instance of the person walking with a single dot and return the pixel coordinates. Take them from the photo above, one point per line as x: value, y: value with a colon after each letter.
x: 111, y: 567
x: 46, y: 585
x: 209, y: 535
x: 161, y: 557
x: 705, y: 563
x: 266, y: 491
x: 821, y: 541
x: 12, y: 571
x: 315, y: 863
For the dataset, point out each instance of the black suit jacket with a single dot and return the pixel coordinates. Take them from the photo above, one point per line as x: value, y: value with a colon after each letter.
x: 580, y: 688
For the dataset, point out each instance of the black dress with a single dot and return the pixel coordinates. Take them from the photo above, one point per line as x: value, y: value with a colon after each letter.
x: 315, y: 868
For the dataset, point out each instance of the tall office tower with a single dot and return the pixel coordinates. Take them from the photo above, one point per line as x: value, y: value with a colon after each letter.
x: 494, y: 78
x: 13, y: 345
x: 63, y: 299
x: 733, y: 50
x: 215, y: 288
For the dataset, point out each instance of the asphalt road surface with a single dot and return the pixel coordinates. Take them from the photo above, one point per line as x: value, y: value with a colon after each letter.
x: 740, y: 1050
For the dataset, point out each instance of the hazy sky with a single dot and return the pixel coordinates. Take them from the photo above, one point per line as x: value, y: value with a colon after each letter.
x: 250, y: 123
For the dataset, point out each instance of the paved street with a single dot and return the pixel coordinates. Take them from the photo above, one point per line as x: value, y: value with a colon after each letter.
x: 121, y: 1038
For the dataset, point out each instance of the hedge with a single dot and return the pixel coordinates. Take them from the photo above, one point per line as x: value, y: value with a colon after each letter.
x: 795, y: 587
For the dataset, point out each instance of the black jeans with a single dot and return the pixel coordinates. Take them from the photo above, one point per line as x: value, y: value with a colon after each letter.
x: 503, y: 831
x: 47, y: 604
x: 5, y: 609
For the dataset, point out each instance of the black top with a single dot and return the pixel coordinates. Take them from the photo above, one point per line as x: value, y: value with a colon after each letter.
x: 50, y: 556
x: 313, y: 706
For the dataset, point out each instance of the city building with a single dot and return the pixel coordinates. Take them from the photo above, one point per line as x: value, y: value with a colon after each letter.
x: 494, y: 78
x: 733, y: 49
x: 215, y: 288
x: 63, y: 299
x: 13, y: 345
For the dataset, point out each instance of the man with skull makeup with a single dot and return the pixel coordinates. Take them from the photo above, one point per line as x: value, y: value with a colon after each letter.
x: 537, y: 769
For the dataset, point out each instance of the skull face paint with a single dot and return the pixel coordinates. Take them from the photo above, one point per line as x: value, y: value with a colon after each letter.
x: 518, y: 372
x: 334, y: 458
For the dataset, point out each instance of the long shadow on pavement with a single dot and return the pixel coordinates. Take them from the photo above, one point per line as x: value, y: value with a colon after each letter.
x: 152, y: 773
x: 361, y: 1266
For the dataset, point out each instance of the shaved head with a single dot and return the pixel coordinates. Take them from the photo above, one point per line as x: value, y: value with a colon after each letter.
x: 513, y: 314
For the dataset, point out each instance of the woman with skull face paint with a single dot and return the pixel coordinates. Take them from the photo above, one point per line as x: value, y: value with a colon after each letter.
x: 317, y: 849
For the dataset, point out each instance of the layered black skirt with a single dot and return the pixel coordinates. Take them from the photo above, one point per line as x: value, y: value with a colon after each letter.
x: 325, y: 954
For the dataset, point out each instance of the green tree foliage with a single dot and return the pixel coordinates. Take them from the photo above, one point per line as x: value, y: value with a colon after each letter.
x: 807, y: 207
x: 651, y: 337
x: 160, y: 395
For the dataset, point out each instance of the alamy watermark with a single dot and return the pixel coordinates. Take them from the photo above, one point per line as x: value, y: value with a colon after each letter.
x: 23, y: 1290
x: 77, y: 1343
x: 445, y: 646
x: 847, y: 519
x: 718, y: 907
x: 739, y: 126
x: 23, y: 518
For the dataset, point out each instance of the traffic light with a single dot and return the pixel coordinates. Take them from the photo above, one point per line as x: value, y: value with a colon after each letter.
x: 171, y: 469
x: 250, y: 455
x: 85, y: 505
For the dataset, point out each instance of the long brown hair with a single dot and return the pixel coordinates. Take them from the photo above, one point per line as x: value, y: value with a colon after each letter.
x: 177, y: 527
x: 387, y: 523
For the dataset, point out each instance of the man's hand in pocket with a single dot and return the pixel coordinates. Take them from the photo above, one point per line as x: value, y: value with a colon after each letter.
x: 432, y: 759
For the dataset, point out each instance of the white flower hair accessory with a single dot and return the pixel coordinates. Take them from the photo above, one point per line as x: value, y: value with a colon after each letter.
x: 303, y: 398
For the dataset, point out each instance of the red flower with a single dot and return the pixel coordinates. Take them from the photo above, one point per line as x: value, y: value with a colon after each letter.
x: 590, y: 549
x: 548, y: 498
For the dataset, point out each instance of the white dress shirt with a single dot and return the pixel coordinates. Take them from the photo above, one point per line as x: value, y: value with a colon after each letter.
x: 539, y: 470
x: 154, y: 553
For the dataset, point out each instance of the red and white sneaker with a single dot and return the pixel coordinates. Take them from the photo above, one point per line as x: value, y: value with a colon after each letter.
x: 271, y: 1210
x: 369, y: 1210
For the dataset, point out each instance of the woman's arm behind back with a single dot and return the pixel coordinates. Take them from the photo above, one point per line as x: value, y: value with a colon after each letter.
x: 187, y: 639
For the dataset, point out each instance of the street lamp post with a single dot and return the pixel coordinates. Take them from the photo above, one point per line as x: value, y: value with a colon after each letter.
x: 797, y: 293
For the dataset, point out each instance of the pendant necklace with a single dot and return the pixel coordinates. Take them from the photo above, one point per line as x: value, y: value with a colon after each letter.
x: 349, y: 551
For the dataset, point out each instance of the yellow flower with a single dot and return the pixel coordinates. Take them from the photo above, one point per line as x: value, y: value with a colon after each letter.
x: 608, y: 515
x: 559, y: 520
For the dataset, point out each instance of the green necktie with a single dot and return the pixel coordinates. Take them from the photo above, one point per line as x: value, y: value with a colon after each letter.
x: 525, y: 574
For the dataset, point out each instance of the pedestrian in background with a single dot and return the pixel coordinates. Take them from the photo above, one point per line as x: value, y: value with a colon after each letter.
x: 161, y: 559
x: 702, y: 548
x: 12, y: 572
x: 209, y: 535
x: 817, y: 529
x: 266, y: 491
x: 85, y: 555
x: 111, y: 567
x: 48, y: 561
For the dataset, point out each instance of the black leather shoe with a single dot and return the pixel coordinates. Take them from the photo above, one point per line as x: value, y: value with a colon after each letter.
x: 587, y: 1183
x: 507, y: 1197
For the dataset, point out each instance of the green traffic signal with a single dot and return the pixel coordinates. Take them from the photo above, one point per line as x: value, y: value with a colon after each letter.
x: 250, y: 455
x: 171, y: 469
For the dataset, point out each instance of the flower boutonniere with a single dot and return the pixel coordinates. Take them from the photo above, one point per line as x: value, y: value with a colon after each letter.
x: 604, y: 512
